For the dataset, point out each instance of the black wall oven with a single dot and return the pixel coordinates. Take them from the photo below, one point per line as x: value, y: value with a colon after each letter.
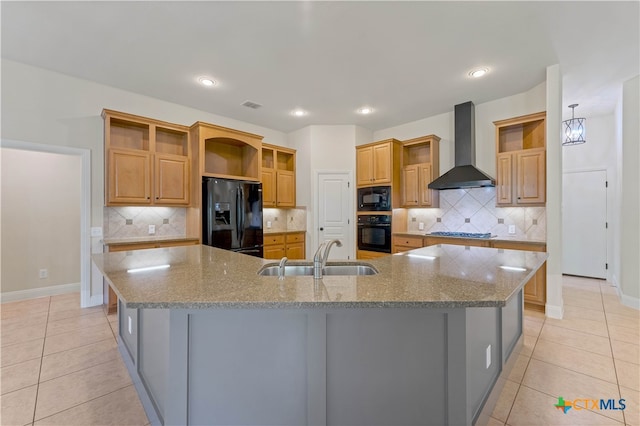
x: 374, y: 233
x: 374, y: 198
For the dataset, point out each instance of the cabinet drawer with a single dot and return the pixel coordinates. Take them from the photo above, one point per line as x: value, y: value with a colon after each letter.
x: 518, y: 245
x: 273, y: 239
x: 475, y: 242
x: 295, y: 238
x: 413, y: 242
x: 148, y: 245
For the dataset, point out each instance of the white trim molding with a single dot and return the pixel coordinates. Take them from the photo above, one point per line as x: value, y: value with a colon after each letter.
x: 554, y: 311
x: 630, y: 301
x: 85, y: 208
x: 32, y: 293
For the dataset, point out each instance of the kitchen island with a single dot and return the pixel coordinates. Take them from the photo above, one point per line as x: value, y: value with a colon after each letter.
x: 209, y: 341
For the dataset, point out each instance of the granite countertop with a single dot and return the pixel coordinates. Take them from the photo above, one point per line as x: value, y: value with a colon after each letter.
x: 510, y: 239
x: 285, y: 231
x: 446, y: 276
x: 149, y: 239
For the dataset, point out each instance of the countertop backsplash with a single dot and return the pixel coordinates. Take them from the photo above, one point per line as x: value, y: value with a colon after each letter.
x: 133, y: 222
x: 474, y: 210
x: 284, y: 219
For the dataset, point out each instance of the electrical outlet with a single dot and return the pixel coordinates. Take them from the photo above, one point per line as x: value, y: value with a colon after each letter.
x: 268, y: 224
x: 96, y: 231
x: 129, y: 323
x: 44, y: 273
x: 421, y: 226
x: 512, y: 229
x: 488, y: 356
x: 152, y: 229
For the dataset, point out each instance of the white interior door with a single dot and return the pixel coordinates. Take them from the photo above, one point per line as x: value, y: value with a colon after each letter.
x: 584, y: 218
x: 334, y: 207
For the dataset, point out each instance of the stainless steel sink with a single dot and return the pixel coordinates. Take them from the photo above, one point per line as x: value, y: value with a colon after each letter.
x: 354, y: 268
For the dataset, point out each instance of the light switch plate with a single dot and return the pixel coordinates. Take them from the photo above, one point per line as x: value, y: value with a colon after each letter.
x: 512, y: 229
x: 152, y: 229
x: 421, y: 226
x: 268, y: 224
x: 96, y: 231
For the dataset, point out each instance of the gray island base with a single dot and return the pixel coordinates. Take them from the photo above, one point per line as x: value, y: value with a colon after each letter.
x: 209, y: 342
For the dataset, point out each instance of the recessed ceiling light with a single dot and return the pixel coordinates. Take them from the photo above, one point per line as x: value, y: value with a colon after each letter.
x: 478, y: 73
x: 298, y: 112
x: 206, y: 81
x: 365, y: 110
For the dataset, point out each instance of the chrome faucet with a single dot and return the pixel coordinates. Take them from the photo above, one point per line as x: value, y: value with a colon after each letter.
x: 317, y: 261
x: 283, y: 261
x: 327, y: 249
x: 321, y: 256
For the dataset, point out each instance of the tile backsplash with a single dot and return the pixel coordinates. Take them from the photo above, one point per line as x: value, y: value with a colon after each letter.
x: 132, y: 222
x: 474, y: 210
x: 285, y: 219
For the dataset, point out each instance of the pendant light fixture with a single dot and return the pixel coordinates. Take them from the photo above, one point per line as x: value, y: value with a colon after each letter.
x: 574, y: 129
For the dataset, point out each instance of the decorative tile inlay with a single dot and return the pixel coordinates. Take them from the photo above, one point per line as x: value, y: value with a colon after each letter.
x: 474, y: 210
x: 132, y: 222
x: 285, y: 219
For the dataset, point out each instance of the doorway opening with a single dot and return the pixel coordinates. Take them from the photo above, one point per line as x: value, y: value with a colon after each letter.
x: 86, y: 298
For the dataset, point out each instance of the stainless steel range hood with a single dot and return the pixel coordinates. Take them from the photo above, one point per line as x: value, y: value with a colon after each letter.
x: 465, y: 174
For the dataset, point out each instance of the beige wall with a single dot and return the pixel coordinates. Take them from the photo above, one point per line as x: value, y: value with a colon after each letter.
x: 40, y: 219
x: 45, y: 107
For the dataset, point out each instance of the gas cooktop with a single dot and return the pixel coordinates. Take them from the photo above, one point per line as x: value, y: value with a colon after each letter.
x: 462, y: 234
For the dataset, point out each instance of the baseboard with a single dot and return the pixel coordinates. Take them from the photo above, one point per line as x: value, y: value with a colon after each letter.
x: 33, y: 293
x: 554, y: 311
x: 632, y: 302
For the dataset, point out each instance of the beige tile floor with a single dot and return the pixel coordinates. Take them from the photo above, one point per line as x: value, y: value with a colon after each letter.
x: 592, y: 353
x: 60, y: 364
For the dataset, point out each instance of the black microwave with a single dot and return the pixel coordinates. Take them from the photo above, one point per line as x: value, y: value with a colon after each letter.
x: 374, y: 199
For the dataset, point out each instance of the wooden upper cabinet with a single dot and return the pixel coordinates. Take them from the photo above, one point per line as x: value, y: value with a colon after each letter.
x: 147, y: 161
x: 410, y: 184
x: 521, y: 160
x: 364, y: 167
x: 531, y: 167
x: 427, y: 195
x: 420, y: 166
x: 227, y: 153
x: 171, y: 172
x: 285, y: 189
x: 382, y: 163
x: 504, y: 179
x: 129, y: 177
x: 278, y: 176
x: 269, y: 184
x: 378, y: 163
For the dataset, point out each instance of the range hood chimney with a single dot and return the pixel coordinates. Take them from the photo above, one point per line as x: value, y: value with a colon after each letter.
x: 465, y: 174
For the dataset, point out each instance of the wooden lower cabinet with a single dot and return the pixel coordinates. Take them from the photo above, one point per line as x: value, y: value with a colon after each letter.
x: 291, y: 245
x: 401, y: 244
x: 365, y: 254
x: 109, y: 298
x: 474, y: 242
x: 535, y: 291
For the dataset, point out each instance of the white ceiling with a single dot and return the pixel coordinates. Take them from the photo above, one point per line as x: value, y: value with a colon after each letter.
x: 408, y: 60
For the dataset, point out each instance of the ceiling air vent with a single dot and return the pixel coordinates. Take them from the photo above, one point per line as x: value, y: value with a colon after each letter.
x: 251, y: 105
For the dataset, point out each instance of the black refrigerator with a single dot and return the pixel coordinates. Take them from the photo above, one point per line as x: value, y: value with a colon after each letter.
x: 232, y: 215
